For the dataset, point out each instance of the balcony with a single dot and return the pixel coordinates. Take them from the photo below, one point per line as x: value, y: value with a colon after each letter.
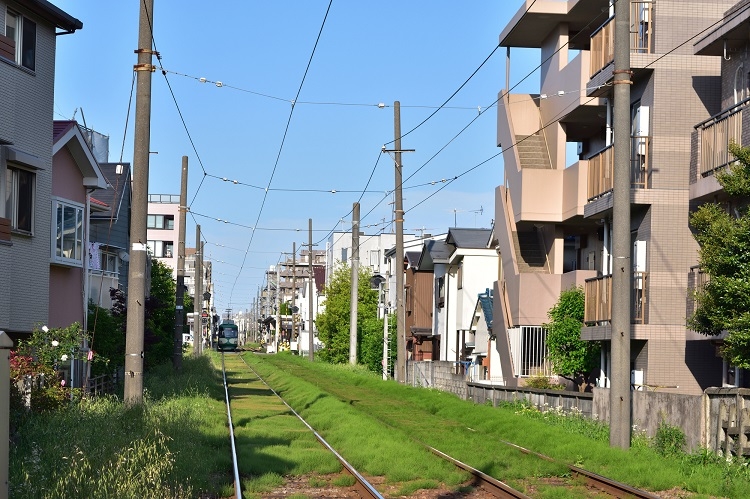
x: 601, y: 168
x: 641, y: 36
x: 598, y: 294
x: 716, y: 134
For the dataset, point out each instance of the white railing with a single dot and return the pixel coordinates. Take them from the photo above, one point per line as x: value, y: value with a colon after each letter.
x: 528, y: 351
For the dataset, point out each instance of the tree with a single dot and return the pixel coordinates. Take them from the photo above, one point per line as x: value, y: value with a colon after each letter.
x: 723, y: 234
x: 571, y: 357
x: 160, y: 308
x: 333, y: 323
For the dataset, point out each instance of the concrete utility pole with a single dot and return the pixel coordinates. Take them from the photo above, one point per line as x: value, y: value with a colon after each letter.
x: 294, y: 290
x: 385, y: 326
x: 619, y: 394
x: 198, y: 298
x: 355, y: 286
x: 399, y: 257
x: 310, y: 339
x: 135, y: 319
x: 278, y: 310
x: 179, y: 312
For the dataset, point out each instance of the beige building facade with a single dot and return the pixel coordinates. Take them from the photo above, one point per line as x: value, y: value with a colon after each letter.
x: 553, y: 216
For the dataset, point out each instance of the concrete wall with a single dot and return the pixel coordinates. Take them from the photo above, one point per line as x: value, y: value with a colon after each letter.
x: 719, y: 419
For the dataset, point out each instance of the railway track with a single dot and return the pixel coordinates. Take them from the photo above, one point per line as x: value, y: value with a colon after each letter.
x: 363, y: 487
x: 490, y: 485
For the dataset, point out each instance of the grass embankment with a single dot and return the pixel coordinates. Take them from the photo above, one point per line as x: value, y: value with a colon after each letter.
x: 474, y: 433
x: 173, y: 445
x: 176, y: 443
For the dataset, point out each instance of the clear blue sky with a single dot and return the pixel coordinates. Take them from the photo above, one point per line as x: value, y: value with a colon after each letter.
x: 416, y: 52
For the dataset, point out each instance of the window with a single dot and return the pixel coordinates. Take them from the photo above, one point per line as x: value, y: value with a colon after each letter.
x: 68, y: 236
x: 460, y: 277
x: 163, y: 222
x: 344, y: 255
x: 440, y: 291
x: 161, y: 249
x: 19, y: 199
x: 109, y: 262
x: 23, y: 33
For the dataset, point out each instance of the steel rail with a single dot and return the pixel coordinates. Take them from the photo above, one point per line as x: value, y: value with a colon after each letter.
x: 364, y: 487
x: 490, y: 484
x: 237, y: 484
x: 612, y: 487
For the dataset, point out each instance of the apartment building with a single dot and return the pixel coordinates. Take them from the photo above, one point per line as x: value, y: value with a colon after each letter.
x: 163, y: 222
x: 728, y: 123
x: 553, y: 216
x: 27, y: 73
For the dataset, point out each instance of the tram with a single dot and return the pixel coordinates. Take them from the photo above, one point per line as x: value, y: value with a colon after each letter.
x: 228, y: 334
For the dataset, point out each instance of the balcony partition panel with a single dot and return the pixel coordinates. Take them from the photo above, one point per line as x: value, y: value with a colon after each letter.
x: 598, y: 300
x: 715, y: 136
x: 641, y: 36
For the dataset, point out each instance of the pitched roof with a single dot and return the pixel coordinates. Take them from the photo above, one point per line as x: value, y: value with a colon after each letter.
x: 412, y: 258
x: 434, y: 251
x: 469, y: 238
x: 66, y: 134
x: 114, y: 195
x: 485, y: 300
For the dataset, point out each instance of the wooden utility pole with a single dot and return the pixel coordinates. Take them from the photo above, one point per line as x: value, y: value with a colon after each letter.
x: 355, y: 286
x: 136, y: 301
x: 179, y: 311
x: 622, y: 270
x: 198, y: 298
x: 310, y: 339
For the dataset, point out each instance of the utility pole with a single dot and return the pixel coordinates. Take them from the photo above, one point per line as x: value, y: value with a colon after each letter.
x: 385, y: 325
x: 310, y: 339
x: 278, y: 309
x: 198, y: 298
x: 179, y: 312
x: 619, y: 394
x: 399, y: 216
x: 355, y: 286
x: 294, y: 290
x: 136, y: 314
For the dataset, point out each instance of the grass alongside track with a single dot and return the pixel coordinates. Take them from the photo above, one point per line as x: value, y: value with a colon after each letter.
x: 473, y: 433
x: 176, y: 443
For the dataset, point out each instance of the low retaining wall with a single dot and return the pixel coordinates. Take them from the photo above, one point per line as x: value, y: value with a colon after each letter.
x: 719, y: 419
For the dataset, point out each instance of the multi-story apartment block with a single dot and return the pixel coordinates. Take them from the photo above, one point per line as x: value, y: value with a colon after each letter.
x: 553, y: 222
x: 372, y: 251
x: 163, y: 222
x: 729, y: 123
x: 27, y: 72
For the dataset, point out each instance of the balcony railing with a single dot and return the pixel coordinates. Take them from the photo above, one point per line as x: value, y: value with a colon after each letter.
x: 601, y: 168
x: 598, y: 294
x: 716, y: 134
x: 697, y: 280
x: 641, y: 36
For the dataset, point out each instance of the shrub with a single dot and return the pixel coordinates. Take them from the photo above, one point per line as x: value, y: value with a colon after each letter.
x: 543, y: 383
x: 669, y: 440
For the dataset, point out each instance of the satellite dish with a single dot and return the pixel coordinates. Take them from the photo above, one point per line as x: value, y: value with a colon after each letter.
x: 295, y: 309
x: 124, y: 256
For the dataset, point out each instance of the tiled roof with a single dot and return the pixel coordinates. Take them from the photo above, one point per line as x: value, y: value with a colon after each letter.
x: 60, y: 128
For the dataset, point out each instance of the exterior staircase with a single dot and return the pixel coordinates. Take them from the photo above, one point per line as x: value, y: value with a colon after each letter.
x: 530, y: 253
x: 532, y: 151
